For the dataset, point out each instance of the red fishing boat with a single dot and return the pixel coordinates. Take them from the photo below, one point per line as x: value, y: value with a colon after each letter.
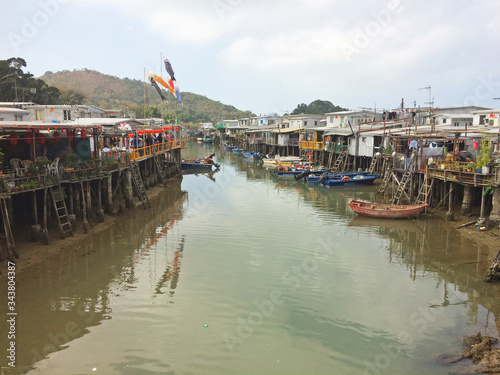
x: 385, y: 211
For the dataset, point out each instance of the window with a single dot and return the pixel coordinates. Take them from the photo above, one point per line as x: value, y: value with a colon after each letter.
x: 444, y: 121
x: 39, y: 115
x: 67, y: 114
x: 18, y: 117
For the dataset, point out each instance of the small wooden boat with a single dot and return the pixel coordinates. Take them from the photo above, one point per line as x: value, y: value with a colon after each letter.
x: 385, y: 211
x: 199, y: 164
x: 207, y: 140
x: 366, y: 179
x: 290, y: 172
x: 283, y: 160
x: 252, y: 155
x: 237, y: 151
x: 317, y: 177
x: 192, y: 165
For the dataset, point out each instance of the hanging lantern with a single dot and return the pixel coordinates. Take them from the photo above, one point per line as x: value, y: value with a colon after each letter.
x: 13, y: 139
x: 29, y: 139
x: 474, y: 145
x: 84, y: 133
x: 41, y: 139
x: 56, y: 136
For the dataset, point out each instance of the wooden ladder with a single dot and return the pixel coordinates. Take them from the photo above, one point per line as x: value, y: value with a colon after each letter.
x: 139, y: 185
x: 386, y: 180
x: 340, y: 162
x: 160, y: 168
x: 57, y: 193
x: 404, y: 181
x: 374, y: 162
x: 424, y: 191
x: 11, y: 246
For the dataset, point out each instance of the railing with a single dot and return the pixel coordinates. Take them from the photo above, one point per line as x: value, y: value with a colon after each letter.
x: 335, y: 147
x: 462, y: 177
x: 146, y: 152
x: 310, y: 145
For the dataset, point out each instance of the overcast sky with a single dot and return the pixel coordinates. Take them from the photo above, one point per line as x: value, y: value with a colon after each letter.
x: 271, y: 55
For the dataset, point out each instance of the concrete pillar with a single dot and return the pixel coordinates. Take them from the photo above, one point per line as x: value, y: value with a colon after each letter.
x: 467, y: 202
x: 100, y: 212
x: 88, y: 195
x: 127, y: 189
x: 495, y: 211
x: 77, y: 203
x: 482, y: 218
x: 108, y: 196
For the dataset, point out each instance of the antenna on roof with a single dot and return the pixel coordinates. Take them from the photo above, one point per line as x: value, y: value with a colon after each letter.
x: 431, y: 101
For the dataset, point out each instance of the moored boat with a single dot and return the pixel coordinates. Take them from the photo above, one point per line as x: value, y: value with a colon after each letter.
x: 237, y: 151
x: 366, y: 179
x: 193, y: 165
x: 251, y: 155
x: 318, y: 177
x: 199, y: 164
x: 290, y: 172
x: 283, y: 160
x: 385, y: 211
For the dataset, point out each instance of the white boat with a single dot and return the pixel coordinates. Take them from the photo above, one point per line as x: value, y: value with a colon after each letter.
x: 283, y: 160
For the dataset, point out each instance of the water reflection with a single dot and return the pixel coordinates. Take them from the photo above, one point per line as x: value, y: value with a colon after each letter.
x: 351, y: 288
x: 65, y: 296
x: 423, y: 247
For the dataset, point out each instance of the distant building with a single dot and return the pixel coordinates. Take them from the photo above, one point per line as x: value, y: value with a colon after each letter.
x: 13, y: 114
x: 304, y: 121
x: 343, y: 119
x: 61, y: 113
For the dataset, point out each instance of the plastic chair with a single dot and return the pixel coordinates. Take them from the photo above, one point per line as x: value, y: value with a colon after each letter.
x: 16, y: 164
x: 53, y: 168
x: 26, y: 164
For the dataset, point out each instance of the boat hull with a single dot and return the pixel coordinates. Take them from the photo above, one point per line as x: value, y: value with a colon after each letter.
x: 251, y: 155
x: 362, y: 180
x: 385, y: 211
x: 316, y: 177
x: 196, y: 166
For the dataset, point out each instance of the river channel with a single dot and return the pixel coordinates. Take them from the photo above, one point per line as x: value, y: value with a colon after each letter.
x: 242, y: 273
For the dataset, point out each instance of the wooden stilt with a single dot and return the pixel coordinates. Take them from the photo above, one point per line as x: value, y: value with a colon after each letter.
x: 84, y: 210
x: 11, y: 246
x: 449, y: 214
x: 45, y: 232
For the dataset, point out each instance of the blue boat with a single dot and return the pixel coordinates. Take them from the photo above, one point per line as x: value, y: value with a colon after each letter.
x: 366, y: 179
x: 252, y: 155
x: 317, y: 177
x: 237, y: 151
x: 296, y: 172
x: 228, y: 147
x: 207, y: 140
x: 202, y: 167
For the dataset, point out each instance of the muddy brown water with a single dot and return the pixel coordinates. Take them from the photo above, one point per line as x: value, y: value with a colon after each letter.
x: 244, y: 273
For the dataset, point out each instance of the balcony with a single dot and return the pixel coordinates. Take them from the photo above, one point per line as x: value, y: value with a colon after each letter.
x: 310, y: 145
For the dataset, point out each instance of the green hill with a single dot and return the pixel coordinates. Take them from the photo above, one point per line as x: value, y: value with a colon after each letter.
x: 109, y: 92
